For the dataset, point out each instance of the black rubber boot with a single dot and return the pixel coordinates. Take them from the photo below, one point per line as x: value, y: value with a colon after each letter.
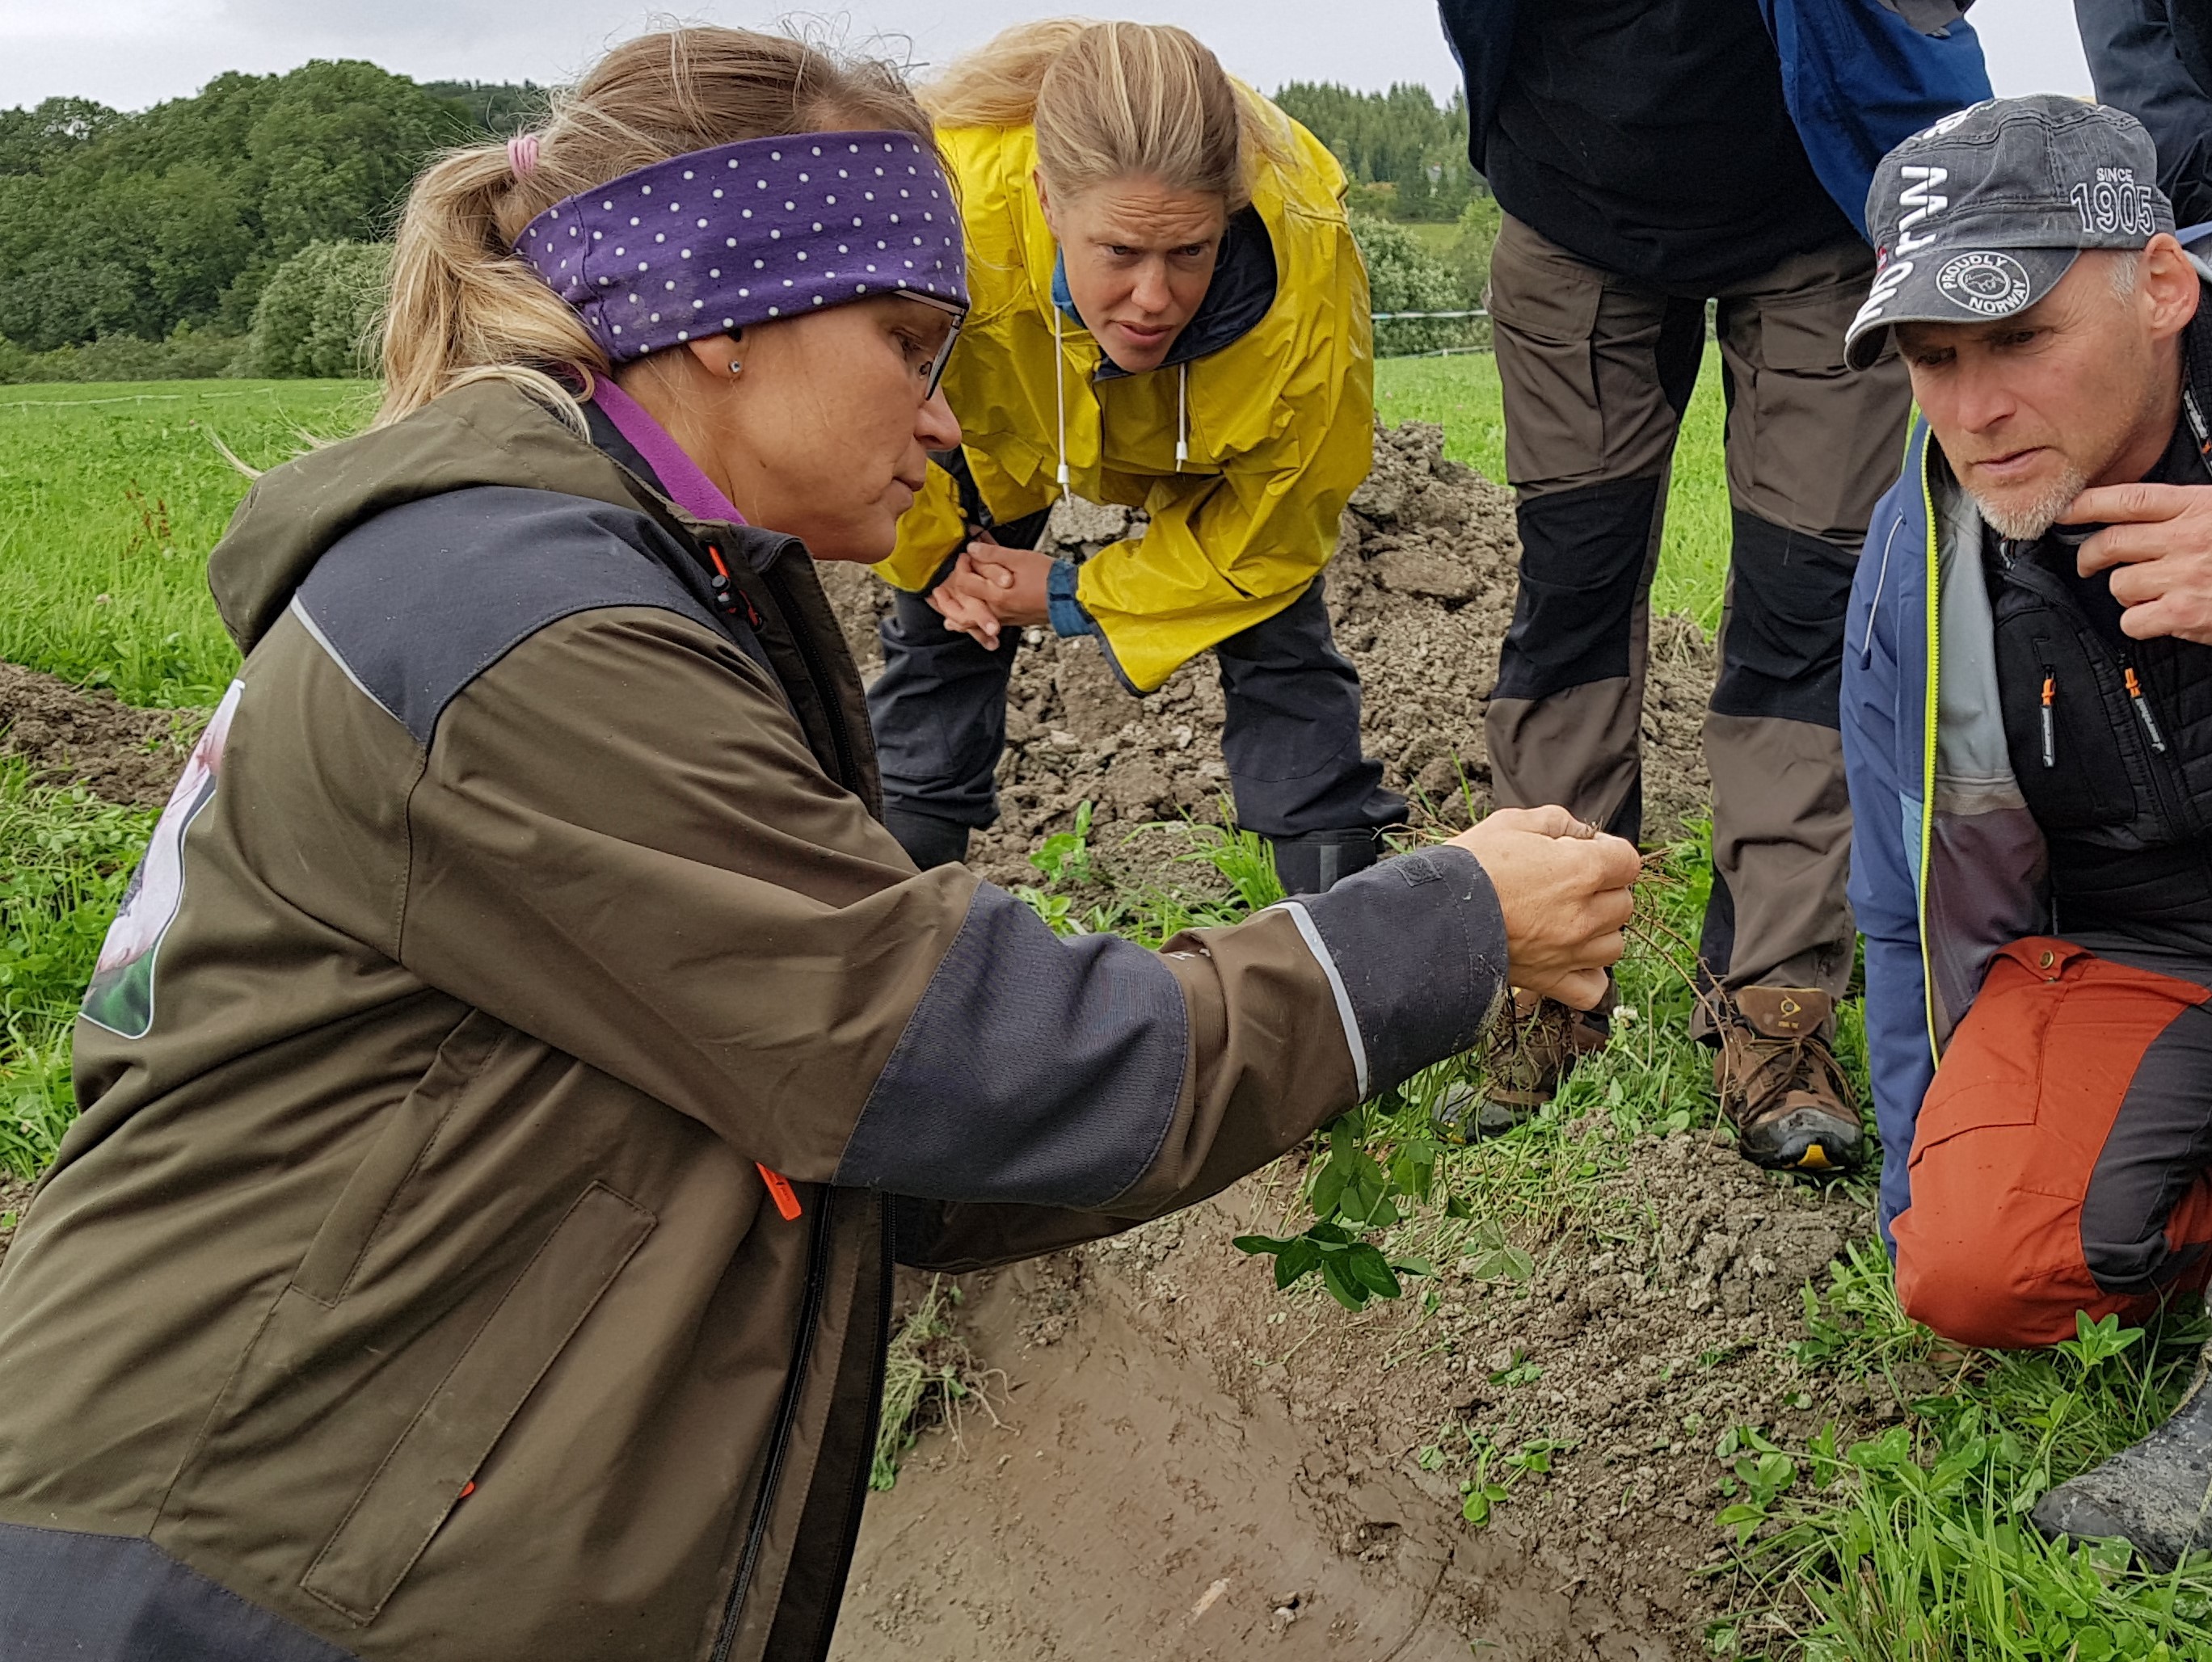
x: 928, y: 839
x: 2155, y: 1495
x: 1317, y: 862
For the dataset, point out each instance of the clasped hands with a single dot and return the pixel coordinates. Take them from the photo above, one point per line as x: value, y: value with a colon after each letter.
x: 991, y: 588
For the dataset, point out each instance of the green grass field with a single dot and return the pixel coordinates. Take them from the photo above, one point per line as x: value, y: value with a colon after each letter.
x: 1438, y: 236
x: 1911, y: 1547
x: 111, y: 497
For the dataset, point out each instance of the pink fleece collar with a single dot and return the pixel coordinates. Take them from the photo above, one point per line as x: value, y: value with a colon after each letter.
x: 680, y: 477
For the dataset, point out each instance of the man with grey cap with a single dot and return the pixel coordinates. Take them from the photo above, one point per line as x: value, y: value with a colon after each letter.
x: 2027, y: 732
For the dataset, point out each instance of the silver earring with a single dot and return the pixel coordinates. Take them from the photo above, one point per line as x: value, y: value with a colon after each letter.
x: 736, y: 366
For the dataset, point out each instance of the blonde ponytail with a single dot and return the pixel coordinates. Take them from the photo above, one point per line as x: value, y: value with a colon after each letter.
x: 463, y: 308
x: 1115, y: 100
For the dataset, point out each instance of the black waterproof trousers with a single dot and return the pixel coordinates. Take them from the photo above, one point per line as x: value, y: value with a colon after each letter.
x: 1291, y: 739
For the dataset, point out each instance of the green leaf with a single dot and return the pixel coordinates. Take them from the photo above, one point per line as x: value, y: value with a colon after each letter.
x: 1256, y: 1244
x: 1328, y: 1187
x: 1369, y: 1266
x: 1299, y: 1258
x: 1342, y: 1285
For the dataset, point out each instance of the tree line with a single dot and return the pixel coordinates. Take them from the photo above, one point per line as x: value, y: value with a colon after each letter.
x: 135, y: 245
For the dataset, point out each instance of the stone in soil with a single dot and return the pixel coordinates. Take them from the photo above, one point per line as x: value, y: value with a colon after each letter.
x: 1421, y: 592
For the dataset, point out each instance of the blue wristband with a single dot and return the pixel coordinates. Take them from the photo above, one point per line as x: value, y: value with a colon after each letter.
x: 1066, y: 611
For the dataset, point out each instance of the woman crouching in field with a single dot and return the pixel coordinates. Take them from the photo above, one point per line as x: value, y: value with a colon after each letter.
x: 525, y: 1052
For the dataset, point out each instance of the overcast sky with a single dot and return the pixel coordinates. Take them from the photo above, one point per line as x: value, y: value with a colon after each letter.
x: 130, y: 53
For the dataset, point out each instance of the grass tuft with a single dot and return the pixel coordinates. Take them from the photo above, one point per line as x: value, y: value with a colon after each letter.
x: 929, y: 1378
x: 66, y: 858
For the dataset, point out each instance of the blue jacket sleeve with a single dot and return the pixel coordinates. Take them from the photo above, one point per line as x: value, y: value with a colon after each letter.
x: 1878, y: 762
x: 2136, y: 60
x: 1480, y: 34
x: 1859, y: 80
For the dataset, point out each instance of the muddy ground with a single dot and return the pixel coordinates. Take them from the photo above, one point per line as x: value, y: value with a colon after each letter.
x: 1184, y: 1462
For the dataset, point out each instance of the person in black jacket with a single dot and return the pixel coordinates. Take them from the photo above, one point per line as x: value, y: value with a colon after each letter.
x: 1654, y: 157
x: 2154, y: 60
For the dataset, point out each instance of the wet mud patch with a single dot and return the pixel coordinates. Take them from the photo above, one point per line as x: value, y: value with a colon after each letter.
x: 1175, y: 1425
x: 69, y: 736
x: 1420, y: 593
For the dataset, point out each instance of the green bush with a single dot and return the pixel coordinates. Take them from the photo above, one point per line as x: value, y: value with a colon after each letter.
x: 318, y: 315
x: 188, y: 355
x: 1404, y: 276
x: 1470, y: 251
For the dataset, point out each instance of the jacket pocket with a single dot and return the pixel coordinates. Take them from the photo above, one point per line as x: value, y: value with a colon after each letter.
x: 335, y: 1251
x: 1544, y: 304
x: 2066, y: 727
x: 424, y: 1477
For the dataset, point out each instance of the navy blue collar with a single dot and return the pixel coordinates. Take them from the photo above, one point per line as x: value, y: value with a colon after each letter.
x: 1240, y: 295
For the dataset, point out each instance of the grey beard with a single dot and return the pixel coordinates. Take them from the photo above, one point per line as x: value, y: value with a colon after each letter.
x: 2024, y: 523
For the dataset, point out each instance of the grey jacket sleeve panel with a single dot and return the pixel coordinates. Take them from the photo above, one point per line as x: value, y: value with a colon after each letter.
x: 1401, y: 967
x: 1415, y: 952
x: 1034, y: 1070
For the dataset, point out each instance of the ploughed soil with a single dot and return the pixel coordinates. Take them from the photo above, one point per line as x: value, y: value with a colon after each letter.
x: 1420, y: 592
x: 69, y: 736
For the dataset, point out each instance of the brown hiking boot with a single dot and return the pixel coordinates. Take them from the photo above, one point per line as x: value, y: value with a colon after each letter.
x: 1529, y: 1055
x: 1780, y: 1084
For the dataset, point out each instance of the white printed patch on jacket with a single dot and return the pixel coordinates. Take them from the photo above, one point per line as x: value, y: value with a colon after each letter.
x: 121, y: 996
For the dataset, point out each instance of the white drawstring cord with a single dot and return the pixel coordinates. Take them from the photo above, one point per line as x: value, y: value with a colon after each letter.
x: 1059, y: 392
x: 1183, y: 418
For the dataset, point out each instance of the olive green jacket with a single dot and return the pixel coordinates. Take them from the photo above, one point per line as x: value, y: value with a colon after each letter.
x: 413, y: 1284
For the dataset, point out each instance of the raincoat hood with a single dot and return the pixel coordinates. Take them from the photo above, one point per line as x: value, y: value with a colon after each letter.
x: 295, y: 513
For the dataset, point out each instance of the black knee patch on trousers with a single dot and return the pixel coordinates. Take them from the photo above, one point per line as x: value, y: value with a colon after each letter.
x: 1581, y: 568
x: 2160, y: 1143
x: 1782, y: 654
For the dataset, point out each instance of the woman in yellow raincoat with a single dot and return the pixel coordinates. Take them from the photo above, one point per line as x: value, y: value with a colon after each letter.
x: 1170, y: 314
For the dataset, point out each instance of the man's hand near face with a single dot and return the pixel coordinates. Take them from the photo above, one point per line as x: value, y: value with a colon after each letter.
x: 2157, y: 544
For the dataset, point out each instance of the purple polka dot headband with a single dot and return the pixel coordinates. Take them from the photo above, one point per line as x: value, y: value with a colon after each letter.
x: 749, y: 233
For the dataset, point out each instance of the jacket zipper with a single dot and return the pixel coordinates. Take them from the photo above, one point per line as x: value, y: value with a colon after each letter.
x: 810, y: 1317
x: 2163, y: 792
x: 825, y: 688
x: 2142, y: 705
x: 1928, y: 747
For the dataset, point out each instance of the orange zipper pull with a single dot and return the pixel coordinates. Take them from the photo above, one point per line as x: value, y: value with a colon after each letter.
x: 779, y: 1191
x: 2143, y: 709
x: 2050, y: 727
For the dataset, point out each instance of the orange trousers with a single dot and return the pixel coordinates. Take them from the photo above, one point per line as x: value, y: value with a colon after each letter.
x: 2060, y: 1161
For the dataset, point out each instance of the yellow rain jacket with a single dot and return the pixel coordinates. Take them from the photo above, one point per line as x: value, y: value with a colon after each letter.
x: 1279, y: 422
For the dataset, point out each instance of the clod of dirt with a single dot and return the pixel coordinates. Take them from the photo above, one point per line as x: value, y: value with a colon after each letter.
x: 1421, y: 592
x: 72, y: 736
x: 1173, y: 1423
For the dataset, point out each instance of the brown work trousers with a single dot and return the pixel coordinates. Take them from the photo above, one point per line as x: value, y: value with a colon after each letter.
x: 1597, y: 371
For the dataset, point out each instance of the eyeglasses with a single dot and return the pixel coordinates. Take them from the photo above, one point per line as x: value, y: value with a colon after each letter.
x: 958, y: 314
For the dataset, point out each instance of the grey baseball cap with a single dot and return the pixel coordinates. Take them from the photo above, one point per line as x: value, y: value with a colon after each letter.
x: 1979, y: 216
